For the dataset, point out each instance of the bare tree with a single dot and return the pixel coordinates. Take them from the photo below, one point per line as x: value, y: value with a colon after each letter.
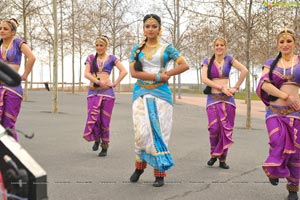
x: 247, y: 21
x: 61, y: 43
x: 25, y: 8
x: 213, y: 21
x: 73, y: 45
x: 175, y: 16
x: 117, y: 26
x: 55, y: 58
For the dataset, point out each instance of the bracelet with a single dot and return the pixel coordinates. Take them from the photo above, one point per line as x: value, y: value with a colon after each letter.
x: 286, y: 98
x: 237, y: 88
x: 157, y: 77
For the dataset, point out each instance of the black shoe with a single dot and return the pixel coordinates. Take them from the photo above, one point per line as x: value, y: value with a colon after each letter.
x: 96, y: 146
x: 223, y: 165
x: 136, y: 175
x: 212, y: 161
x: 159, y: 181
x: 274, y: 181
x: 292, y: 196
x: 103, y: 153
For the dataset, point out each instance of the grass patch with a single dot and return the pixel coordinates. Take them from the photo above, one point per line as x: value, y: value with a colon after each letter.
x: 242, y: 95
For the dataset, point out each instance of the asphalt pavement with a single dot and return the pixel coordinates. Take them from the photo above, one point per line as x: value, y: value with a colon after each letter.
x: 75, y: 172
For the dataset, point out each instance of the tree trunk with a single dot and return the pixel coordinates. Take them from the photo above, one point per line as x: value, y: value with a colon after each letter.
x: 73, y: 49
x: 25, y: 95
x: 248, y: 89
x: 62, y: 46
x: 55, y: 49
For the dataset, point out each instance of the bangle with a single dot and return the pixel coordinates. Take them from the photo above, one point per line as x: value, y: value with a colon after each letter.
x: 157, y: 77
x: 286, y: 98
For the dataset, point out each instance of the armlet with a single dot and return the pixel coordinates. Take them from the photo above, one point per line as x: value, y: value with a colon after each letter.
x: 180, y: 58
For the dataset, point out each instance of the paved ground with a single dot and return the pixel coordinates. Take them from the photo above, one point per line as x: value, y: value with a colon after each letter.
x: 76, y: 173
x: 257, y: 107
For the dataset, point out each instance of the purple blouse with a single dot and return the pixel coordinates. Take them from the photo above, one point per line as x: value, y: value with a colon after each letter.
x: 108, y: 65
x: 278, y: 79
x: 225, y: 69
x: 14, y: 54
x: 217, y: 98
x: 295, y: 73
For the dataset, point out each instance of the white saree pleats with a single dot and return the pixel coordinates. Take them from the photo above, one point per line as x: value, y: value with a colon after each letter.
x: 142, y: 127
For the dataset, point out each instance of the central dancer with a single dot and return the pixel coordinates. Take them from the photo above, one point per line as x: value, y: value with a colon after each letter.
x: 152, y: 100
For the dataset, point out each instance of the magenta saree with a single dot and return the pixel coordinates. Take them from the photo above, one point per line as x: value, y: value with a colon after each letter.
x: 99, y: 116
x: 221, y: 115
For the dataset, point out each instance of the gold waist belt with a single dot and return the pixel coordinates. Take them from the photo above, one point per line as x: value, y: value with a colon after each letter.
x: 285, y: 111
x: 219, y: 97
x: 149, y: 86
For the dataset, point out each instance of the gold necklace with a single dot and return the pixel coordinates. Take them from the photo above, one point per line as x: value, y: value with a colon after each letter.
x: 287, y: 58
x: 4, y: 51
x: 149, y: 54
x: 284, y: 69
x: 151, y: 46
x: 220, y: 64
x: 100, y: 65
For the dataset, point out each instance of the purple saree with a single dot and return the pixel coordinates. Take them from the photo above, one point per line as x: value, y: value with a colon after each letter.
x: 10, y: 106
x: 284, y: 140
x: 283, y: 126
x: 219, y: 107
x: 98, y: 121
x: 11, y: 97
x: 100, y: 104
x: 220, y: 125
